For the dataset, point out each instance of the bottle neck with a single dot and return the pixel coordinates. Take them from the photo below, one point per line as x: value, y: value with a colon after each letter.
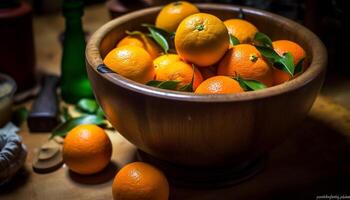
x: 74, y: 23
x: 72, y: 12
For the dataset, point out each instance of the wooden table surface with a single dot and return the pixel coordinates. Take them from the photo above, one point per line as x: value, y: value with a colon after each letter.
x: 314, y: 161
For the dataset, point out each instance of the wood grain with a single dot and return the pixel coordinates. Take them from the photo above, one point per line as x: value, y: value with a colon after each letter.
x: 312, y: 161
x: 202, y: 130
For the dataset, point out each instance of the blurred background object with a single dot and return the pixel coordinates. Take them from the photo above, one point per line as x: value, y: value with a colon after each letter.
x: 120, y: 7
x: 12, y: 152
x: 74, y: 81
x: 43, y: 116
x: 7, y: 90
x: 17, y: 45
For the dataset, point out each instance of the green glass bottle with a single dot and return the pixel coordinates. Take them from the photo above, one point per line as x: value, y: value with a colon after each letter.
x: 74, y: 81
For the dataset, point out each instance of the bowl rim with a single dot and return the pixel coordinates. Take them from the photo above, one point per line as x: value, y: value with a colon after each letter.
x: 316, y: 67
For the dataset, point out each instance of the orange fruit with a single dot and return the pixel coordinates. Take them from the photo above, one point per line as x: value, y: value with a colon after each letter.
x: 246, y: 61
x: 165, y: 60
x: 284, y: 46
x: 87, y: 149
x: 243, y: 30
x: 132, y: 62
x: 141, y: 40
x: 172, y: 14
x: 140, y: 181
x: 219, y: 85
x: 179, y: 71
x: 201, y: 39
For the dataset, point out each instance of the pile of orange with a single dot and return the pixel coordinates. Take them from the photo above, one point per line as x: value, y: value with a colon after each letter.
x: 210, y: 56
x: 207, y: 53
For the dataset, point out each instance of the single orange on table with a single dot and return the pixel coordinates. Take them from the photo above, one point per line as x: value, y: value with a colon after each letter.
x: 132, y: 62
x: 201, y: 39
x: 87, y: 149
x: 246, y: 61
x: 141, y: 40
x: 243, y: 30
x: 172, y: 14
x: 179, y: 71
x: 140, y: 181
x: 219, y: 85
x: 281, y: 47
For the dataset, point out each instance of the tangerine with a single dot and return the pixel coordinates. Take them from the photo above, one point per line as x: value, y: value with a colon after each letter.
x: 140, y: 181
x: 243, y: 30
x: 219, y: 85
x: 201, y: 39
x: 179, y: 71
x: 284, y: 46
x: 87, y: 149
x: 132, y: 62
x: 172, y: 14
x: 246, y: 61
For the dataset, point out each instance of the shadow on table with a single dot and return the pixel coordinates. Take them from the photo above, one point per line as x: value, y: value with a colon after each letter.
x: 20, y: 179
x: 313, y: 161
x: 102, y: 177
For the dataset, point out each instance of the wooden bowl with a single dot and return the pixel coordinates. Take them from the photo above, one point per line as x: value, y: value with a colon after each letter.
x: 203, y: 130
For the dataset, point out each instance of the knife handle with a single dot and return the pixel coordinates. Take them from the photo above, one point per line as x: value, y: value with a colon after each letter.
x: 43, y: 116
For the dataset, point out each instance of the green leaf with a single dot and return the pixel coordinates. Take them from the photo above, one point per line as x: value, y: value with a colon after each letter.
x: 19, y: 116
x: 268, y: 53
x: 241, y: 83
x: 249, y: 85
x: 154, y: 83
x: 134, y: 32
x: 64, y: 128
x: 100, y: 112
x: 285, y: 62
x: 261, y: 39
x: 169, y: 85
x: 65, y: 114
x: 189, y: 87
x: 87, y: 105
x: 159, y: 35
x: 299, y: 67
x: 233, y: 40
x: 254, y: 85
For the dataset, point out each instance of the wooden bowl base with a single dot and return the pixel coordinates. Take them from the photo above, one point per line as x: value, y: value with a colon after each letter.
x: 194, y: 177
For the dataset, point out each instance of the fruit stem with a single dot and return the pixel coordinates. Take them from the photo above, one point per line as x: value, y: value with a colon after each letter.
x: 200, y: 27
x: 253, y: 58
x: 177, y: 3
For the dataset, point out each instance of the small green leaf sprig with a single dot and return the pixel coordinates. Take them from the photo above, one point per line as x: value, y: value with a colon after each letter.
x: 285, y: 62
x: 233, y: 40
x: 249, y: 84
x: 160, y: 36
x: 91, y: 113
x: 173, y: 85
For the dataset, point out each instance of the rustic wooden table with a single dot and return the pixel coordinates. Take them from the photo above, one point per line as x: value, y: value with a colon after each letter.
x: 314, y: 161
